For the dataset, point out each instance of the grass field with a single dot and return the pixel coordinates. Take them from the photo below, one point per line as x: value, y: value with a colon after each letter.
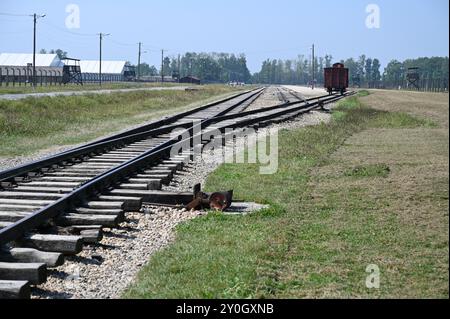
x: 33, y: 124
x: 370, y: 187
x: 73, y: 87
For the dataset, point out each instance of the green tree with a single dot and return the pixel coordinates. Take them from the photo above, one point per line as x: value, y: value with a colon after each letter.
x: 361, y: 64
x: 328, y: 59
x: 376, y: 74
x: 353, y: 66
x: 393, y: 72
x: 147, y: 70
x: 60, y: 53
x: 368, y: 71
x: 167, y: 69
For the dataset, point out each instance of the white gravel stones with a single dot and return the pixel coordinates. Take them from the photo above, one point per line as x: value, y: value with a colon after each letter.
x: 307, y: 92
x: 10, y: 162
x: 268, y: 98
x: 104, y: 271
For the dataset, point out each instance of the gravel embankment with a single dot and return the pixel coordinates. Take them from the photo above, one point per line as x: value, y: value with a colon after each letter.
x: 268, y: 98
x: 104, y: 271
x: 307, y: 92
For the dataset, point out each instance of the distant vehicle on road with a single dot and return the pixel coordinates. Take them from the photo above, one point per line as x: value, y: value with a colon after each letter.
x: 236, y: 84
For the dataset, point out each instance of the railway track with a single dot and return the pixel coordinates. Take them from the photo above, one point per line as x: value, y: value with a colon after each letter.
x: 52, y: 207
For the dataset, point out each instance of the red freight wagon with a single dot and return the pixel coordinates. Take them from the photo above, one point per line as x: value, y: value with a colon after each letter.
x: 336, y: 78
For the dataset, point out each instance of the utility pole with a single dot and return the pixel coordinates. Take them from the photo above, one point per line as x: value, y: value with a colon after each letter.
x: 101, y: 35
x: 35, y: 17
x: 162, y: 65
x: 179, y: 67
x: 313, y: 67
x: 139, y: 63
x: 34, y: 50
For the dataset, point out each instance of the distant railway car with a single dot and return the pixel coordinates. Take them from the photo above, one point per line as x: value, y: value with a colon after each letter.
x: 336, y: 78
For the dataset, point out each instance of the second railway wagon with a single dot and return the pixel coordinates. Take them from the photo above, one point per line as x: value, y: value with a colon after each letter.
x: 336, y: 78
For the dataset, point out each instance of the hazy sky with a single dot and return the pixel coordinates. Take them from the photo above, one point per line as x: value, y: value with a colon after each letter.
x: 259, y: 28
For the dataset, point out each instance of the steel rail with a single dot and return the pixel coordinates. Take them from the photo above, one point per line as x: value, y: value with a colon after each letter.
x: 178, y: 116
x: 285, y: 110
x: 113, y: 176
x: 18, y: 171
x: 324, y: 98
x: 122, y: 140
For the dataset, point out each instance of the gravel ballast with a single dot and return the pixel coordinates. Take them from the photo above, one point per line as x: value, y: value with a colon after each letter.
x: 105, y: 270
x: 268, y: 98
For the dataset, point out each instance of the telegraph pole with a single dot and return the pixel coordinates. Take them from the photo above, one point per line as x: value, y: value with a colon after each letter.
x: 179, y: 67
x: 139, y: 63
x: 35, y: 17
x: 162, y: 65
x: 313, y: 67
x: 34, y: 50
x: 100, y: 64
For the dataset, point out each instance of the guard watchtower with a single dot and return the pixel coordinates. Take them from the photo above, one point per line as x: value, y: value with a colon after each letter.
x: 72, y: 71
x: 412, y: 76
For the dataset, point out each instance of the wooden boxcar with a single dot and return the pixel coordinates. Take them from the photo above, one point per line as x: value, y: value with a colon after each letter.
x: 336, y: 78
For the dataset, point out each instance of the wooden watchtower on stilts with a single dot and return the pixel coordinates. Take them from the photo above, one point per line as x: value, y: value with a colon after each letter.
x: 412, y: 76
x: 72, y: 71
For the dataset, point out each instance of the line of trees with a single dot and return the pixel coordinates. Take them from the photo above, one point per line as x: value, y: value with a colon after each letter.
x: 434, y: 68
x: 292, y: 71
x: 363, y: 71
x: 209, y: 67
x: 299, y: 71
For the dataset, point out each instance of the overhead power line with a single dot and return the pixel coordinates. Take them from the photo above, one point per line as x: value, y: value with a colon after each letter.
x: 70, y: 32
x: 122, y: 43
x: 14, y: 14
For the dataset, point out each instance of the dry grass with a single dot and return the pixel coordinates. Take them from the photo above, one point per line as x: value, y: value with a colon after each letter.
x: 409, y: 205
x: 34, y: 124
x: 10, y: 89
x: 433, y: 106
